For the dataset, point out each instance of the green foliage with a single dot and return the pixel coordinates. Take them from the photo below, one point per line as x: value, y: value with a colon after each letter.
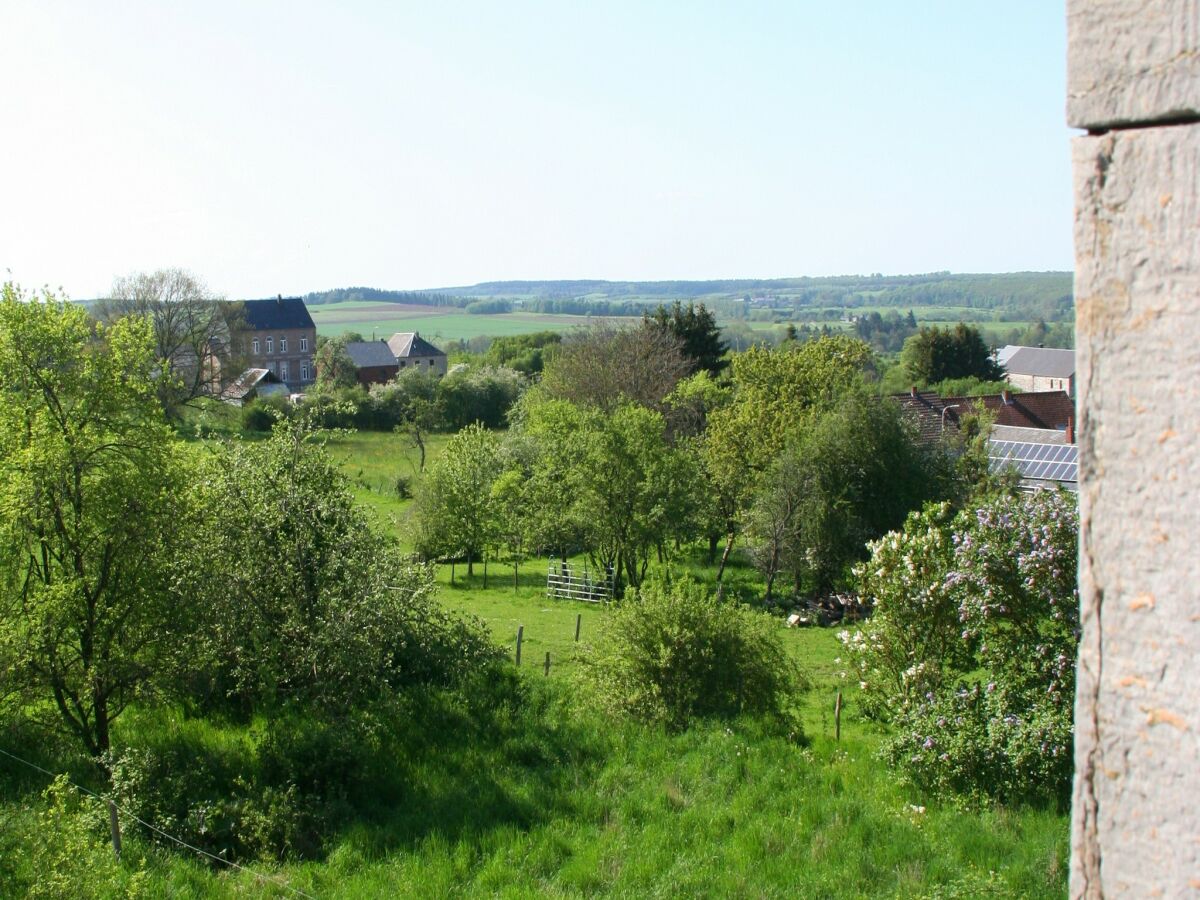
x: 673, y: 653
x: 972, y: 646
x: 696, y: 330
x: 483, y: 394
x: 972, y: 386
x: 490, y: 307
x: 935, y: 354
x: 847, y: 476
x: 456, y: 513
x: 261, y: 413
x: 306, y: 602
x: 72, y: 855
x: 609, y: 483
x: 91, y: 517
x: 335, y: 368
x: 527, y: 353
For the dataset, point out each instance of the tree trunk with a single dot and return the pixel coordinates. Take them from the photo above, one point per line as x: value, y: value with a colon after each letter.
x: 713, y: 540
x: 516, y: 568
x: 485, y: 571
x: 725, y: 556
x: 470, y: 564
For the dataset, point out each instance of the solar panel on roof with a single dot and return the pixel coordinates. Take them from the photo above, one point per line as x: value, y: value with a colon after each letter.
x: 1040, y: 462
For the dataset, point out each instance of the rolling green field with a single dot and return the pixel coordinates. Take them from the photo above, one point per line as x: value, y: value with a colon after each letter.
x: 435, y: 323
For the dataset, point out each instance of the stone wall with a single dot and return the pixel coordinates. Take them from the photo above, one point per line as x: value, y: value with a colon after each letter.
x: 1134, y: 85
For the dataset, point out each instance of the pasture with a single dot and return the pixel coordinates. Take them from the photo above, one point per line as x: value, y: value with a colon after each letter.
x: 436, y: 323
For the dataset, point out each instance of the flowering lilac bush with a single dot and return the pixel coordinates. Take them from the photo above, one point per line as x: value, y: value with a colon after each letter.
x: 971, y: 651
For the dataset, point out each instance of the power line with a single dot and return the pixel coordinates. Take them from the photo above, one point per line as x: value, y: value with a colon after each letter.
x: 159, y: 831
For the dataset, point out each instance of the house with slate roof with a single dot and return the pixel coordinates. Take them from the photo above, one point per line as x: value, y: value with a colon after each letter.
x: 279, y: 335
x: 411, y: 350
x: 1038, y: 368
x: 374, y: 361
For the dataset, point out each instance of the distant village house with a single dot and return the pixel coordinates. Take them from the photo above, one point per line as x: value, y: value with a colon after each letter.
x: 1038, y: 368
x: 279, y: 335
x: 378, y: 362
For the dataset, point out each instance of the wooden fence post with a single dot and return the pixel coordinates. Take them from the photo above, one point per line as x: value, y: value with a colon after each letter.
x: 520, y: 637
x: 114, y: 826
x: 837, y: 718
x: 547, y: 663
x: 578, y: 622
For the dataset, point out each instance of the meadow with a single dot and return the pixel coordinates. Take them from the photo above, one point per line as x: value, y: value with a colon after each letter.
x: 529, y: 790
x: 433, y: 322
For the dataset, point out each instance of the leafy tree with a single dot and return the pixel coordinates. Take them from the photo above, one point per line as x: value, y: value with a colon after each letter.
x: 696, y: 330
x: 191, y: 328
x: 935, y: 354
x: 774, y: 391
x: 91, y: 517
x: 409, y: 404
x: 606, y: 366
x: 335, y: 368
x: 307, y: 603
x: 610, y: 482
x: 482, y: 394
x: 848, y: 475
x: 455, y: 504
x: 527, y: 353
x: 510, y: 498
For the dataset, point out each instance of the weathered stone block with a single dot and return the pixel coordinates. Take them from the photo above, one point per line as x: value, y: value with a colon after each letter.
x: 1137, y: 286
x: 1132, y: 62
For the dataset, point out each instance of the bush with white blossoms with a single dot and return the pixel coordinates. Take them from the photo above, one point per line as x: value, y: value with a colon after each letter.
x: 971, y: 650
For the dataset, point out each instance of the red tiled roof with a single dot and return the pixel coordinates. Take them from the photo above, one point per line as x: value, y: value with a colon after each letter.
x: 1036, y: 409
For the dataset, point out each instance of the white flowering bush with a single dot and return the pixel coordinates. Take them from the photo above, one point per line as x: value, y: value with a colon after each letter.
x: 971, y: 651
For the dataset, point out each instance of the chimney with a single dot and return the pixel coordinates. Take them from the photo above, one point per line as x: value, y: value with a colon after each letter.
x: 279, y: 299
x: 1070, y: 435
x: 913, y: 391
x: 1006, y: 397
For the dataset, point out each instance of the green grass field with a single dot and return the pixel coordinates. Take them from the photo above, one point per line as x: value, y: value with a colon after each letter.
x: 434, y: 323
x: 549, y: 798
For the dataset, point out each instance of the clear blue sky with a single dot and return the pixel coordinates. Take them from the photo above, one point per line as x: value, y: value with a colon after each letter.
x: 293, y: 146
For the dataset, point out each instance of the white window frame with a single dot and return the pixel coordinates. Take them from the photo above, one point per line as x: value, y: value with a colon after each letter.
x: 270, y: 344
x: 283, y: 370
x: 283, y: 345
x: 255, y: 347
x: 303, y: 345
x: 303, y: 370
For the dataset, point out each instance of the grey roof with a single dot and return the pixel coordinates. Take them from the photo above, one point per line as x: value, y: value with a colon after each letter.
x: 407, y: 344
x: 1040, y: 361
x: 1028, y: 435
x: 282, y: 312
x: 248, y: 381
x: 370, y: 353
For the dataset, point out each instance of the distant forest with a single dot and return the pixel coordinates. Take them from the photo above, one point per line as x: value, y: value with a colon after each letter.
x: 1017, y: 295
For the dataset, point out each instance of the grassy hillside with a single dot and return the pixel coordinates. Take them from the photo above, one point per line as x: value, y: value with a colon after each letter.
x: 526, y: 790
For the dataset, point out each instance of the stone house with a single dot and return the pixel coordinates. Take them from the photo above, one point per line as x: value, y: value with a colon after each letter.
x: 1038, y: 368
x: 411, y: 350
x: 279, y: 335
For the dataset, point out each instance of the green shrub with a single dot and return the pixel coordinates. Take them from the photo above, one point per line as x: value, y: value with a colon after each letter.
x: 971, y: 650
x: 72, y: 856
x: 261, y: 413
x: 673, y: 653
